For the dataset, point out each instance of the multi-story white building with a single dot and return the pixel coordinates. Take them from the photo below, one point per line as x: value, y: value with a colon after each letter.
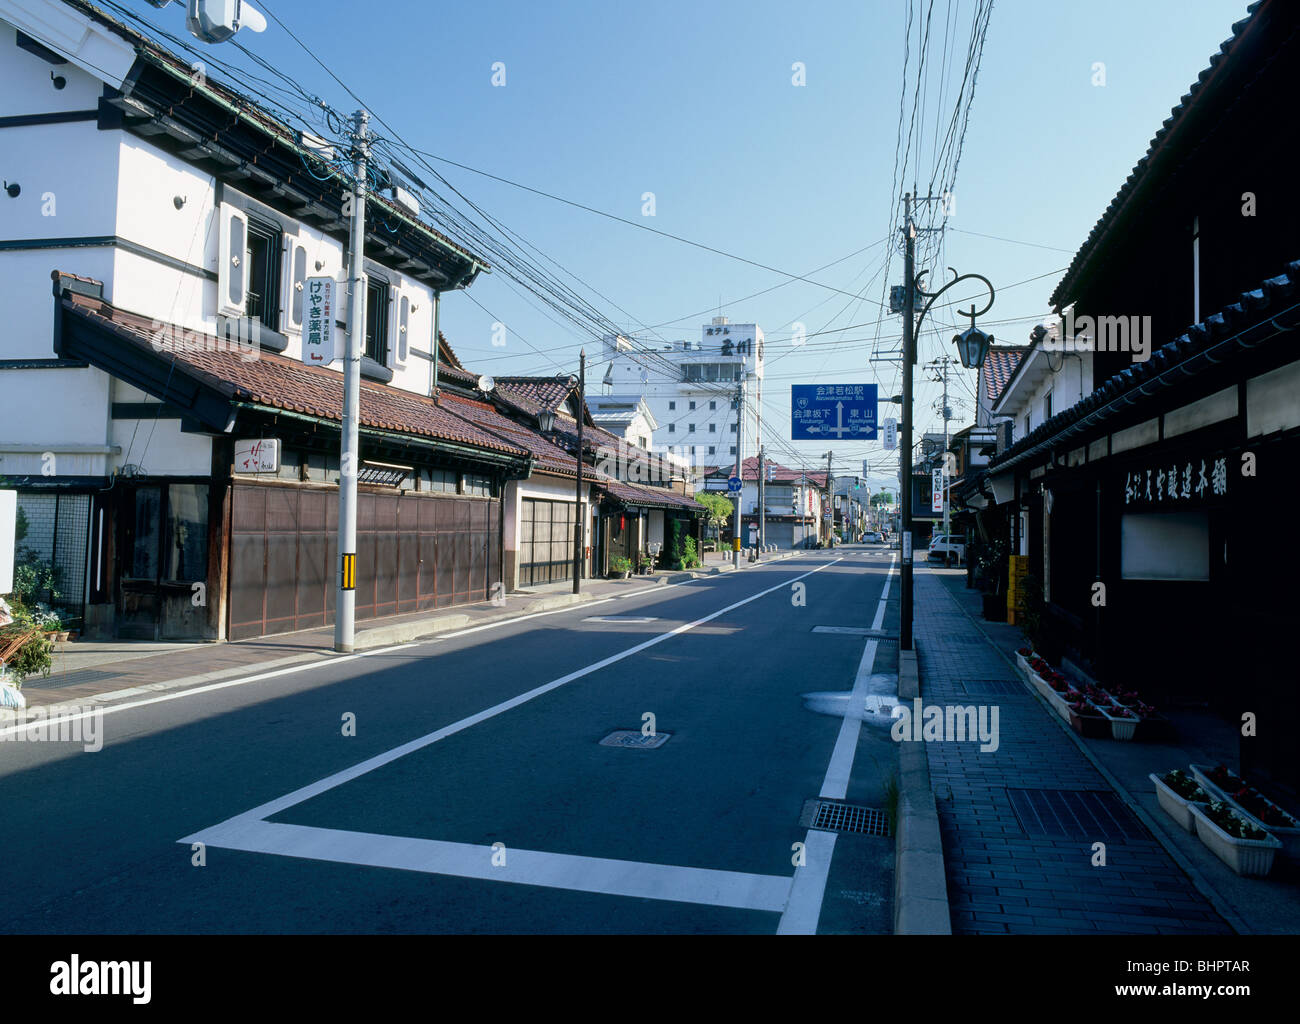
x: 695, y: 389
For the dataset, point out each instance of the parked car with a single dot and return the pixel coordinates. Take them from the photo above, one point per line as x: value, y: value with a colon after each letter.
x: 944, y: 548
x: 872, y: 537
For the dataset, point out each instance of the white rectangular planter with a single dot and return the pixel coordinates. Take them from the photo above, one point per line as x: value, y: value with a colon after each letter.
x: 1120, y: 728
x: 1250, y: 857
x: 1289, y: 837
x: 1177, y: 807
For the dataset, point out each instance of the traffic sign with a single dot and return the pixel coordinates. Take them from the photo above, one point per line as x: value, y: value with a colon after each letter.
x: 832, y: 410
x: 891, y: 435
x: 733, y: 484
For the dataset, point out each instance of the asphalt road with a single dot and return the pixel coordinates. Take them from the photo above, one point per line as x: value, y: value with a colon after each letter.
x: 475, y: 796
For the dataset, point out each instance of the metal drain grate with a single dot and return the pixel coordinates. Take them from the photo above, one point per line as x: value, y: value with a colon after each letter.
x: 633, y: 739
x: 1074, y: 814
x: 994, y: 688
x: 836, y: 816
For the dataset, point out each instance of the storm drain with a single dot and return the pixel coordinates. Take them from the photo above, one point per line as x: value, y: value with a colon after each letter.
x: 635, y: 739
x: 1074, y: 814
x: 994, y: 688
x: 836, y: 816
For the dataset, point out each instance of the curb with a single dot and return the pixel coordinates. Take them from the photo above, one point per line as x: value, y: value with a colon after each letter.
x: 1202, y: 885
x: 920, y: 882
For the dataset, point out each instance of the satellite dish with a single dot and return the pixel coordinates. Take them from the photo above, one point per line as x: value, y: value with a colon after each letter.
x: 486, y: 383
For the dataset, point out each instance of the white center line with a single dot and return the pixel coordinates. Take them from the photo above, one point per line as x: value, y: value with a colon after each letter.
x: 804, y: 908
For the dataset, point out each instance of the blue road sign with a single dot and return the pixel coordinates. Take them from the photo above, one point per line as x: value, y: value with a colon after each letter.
x: 733, y: 484
x: 819, y: 411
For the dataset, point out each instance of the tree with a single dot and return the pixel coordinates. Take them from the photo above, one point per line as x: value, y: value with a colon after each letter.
x: 883, y: 498
x: 721, y: 508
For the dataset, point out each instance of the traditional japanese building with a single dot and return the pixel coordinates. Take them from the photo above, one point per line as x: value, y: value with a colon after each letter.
x: 1145, y: 508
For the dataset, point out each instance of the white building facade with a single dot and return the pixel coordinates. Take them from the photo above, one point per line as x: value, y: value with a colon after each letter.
x: 695, y: 390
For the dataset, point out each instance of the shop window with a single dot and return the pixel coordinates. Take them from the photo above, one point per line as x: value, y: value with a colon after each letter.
x: 170, y: 537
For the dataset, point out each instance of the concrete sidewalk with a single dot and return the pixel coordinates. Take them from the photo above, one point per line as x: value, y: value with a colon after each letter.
x: 87, y: 672
x: 1020, y: 823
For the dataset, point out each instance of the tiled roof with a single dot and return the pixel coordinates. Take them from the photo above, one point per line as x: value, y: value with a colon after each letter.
x: 653, y: 497
x: 1168, y: 130
x: 999, y: 367
x: 1256, y: 316
x: 274, y: 382
x: 535, y: 393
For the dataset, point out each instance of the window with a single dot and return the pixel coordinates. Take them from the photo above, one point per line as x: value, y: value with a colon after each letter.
x: 713, y: 405
x: 713, y: 428
x: 713, y: 450
x: 1047, y: 406
x: 1026, y: 424
x: 438, y: 480
x: 480, y: 486
x: 733, y: 428
x: 692, y: 406
x: 169, y: 541
x: 690, y: 428
x: 734, y: 403
x: 672, y: 428
x: 377, y: 320
x: 263, y: 254
x: 672, y: 406
x: 733, y: 449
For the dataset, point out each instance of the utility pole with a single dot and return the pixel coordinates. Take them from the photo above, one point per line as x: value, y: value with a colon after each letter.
x: 905, y: 442
x: 830, y: 499
x: 762, y: 500
x: 579, y: 526
x: 345, y: 604
x: 740, y: 451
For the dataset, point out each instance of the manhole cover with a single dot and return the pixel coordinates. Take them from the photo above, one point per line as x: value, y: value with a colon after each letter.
x: 634, y: 738
x: 621, y: 618
x: 837, y: 816
x: 1074, y: 814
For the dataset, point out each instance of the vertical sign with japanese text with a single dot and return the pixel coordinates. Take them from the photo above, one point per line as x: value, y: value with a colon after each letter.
x: 318, y: 321
x: 936, y: 491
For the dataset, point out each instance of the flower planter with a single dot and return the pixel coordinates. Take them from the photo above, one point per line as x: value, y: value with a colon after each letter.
x: 1250, y: 857
x: 1288, y: 837
x: 1089, y: 726
x: 1177, y: 807
x: 1120, y: 728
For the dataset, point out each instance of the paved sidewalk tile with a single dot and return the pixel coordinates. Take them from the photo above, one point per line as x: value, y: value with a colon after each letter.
x: 1001, y: 878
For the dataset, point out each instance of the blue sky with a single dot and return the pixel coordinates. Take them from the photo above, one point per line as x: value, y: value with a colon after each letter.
x: 694, y: 102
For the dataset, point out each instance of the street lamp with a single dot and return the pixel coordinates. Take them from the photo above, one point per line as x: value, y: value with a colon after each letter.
x: 972, y: 346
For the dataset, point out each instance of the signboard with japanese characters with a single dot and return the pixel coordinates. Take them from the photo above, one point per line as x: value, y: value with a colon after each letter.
x: 891, y: 435
x: 936, y: 490
x: 734, y: 342
x: 1172, y: 482
x: 318, y: 321
x: 257, y: 455
x: 838, y: 411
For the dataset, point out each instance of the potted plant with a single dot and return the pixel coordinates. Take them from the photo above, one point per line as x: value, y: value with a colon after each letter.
x: 1176, y: 791
x: 1246, y: 849
x: 620, y: 568
x: 1087, y: 721
x: 1251, y: 804
x: 1123, y: 721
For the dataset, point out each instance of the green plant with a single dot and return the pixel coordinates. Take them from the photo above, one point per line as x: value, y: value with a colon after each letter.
x: 721, y: 508
x: 690, y: 557
x: 891, y: 801
x: 620, y: 564
x: 35, y: 578
x: 1033, y: 607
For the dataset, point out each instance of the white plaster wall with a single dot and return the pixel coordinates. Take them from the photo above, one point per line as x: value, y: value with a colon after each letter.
x: 25, y: 84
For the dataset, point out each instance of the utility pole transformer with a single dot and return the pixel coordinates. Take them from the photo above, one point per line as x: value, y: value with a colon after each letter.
x: 349, y: 456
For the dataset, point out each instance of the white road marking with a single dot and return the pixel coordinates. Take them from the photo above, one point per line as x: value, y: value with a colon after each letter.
x: 636, y: 879
x: 804, y: 907
x: 110, y: 709
x: 249, y: 830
